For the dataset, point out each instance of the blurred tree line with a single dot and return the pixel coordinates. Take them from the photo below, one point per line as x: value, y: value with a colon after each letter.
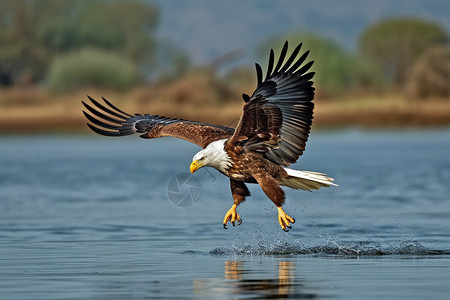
x: 65, y: 44
x: 68, y: 44
x: 406, y: 54
x: 410, y: 52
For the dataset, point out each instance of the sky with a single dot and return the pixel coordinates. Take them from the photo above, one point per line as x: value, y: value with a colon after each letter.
x: 207, y: 29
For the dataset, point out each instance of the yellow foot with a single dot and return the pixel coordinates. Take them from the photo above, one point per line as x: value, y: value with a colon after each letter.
x: 231, y: 216
x: 284, y: 219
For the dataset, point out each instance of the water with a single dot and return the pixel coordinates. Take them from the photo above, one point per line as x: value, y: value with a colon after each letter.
x: 90, y: 218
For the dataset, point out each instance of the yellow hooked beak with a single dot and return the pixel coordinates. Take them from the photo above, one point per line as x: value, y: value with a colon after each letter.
x: 195, y: 165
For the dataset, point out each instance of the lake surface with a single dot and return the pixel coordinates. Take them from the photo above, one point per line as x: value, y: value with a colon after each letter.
x: 104, y: 218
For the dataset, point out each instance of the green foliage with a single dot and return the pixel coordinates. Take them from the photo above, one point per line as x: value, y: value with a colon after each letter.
x: 394, y: 45
x: 122, y: 26
x: 336, y: 70
x: 91, y: 67
x: 368, y: 76
x: 33, y: 32
x: 22, y: 58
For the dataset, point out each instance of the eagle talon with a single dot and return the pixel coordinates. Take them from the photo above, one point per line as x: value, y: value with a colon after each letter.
x: 232, y: 216
x: 284, y: 220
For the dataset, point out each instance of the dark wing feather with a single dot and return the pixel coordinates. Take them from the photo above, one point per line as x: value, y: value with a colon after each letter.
x: 108, y: 120
x: 277, y: 118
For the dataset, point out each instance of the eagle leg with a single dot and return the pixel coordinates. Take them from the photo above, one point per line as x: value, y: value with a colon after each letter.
x: 239, y: 191
x: 232, y: 216
x: 272, y: 189
x: 284, y: 219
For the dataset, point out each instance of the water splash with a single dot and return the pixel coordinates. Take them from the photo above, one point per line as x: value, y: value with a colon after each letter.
x: 272, y: 242
x: 356, y: 249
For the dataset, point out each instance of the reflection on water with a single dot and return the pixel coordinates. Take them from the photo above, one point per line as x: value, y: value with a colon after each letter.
x: 233, y: 270
x: 285, y: 277
x: 283, y: 286
x: 241, y: 282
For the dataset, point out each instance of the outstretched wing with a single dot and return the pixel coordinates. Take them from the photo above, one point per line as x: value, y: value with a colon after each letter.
x: 277, y: 118
x: 108, y: 120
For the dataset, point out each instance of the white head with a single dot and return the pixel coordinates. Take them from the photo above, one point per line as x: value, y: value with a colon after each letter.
x: 214, y: 155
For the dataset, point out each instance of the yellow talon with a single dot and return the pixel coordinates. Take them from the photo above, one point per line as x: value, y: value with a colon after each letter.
x: 284, y: 219
x: 231, y: 216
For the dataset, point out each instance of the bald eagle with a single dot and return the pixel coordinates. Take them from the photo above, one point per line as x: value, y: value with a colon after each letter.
x: 270, y: 135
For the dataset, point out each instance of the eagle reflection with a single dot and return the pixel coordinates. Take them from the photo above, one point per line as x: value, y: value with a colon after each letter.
x: 241, y: 282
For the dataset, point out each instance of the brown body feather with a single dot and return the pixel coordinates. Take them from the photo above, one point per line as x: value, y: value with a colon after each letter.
x: 251, y: 167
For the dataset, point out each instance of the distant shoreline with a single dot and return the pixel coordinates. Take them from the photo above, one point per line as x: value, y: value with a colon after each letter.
x: 36, y: 111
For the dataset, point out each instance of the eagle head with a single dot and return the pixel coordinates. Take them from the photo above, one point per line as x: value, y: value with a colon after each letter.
x: 214, y: 155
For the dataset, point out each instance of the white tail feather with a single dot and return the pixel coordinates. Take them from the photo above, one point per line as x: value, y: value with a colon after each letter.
x: 306, y: 180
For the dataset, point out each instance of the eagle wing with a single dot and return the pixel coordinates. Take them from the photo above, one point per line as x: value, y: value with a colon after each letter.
x: 109, y: 120
x: 277, y: 117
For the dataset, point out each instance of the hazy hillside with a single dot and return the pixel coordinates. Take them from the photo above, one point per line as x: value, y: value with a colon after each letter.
x: 207, y: 29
